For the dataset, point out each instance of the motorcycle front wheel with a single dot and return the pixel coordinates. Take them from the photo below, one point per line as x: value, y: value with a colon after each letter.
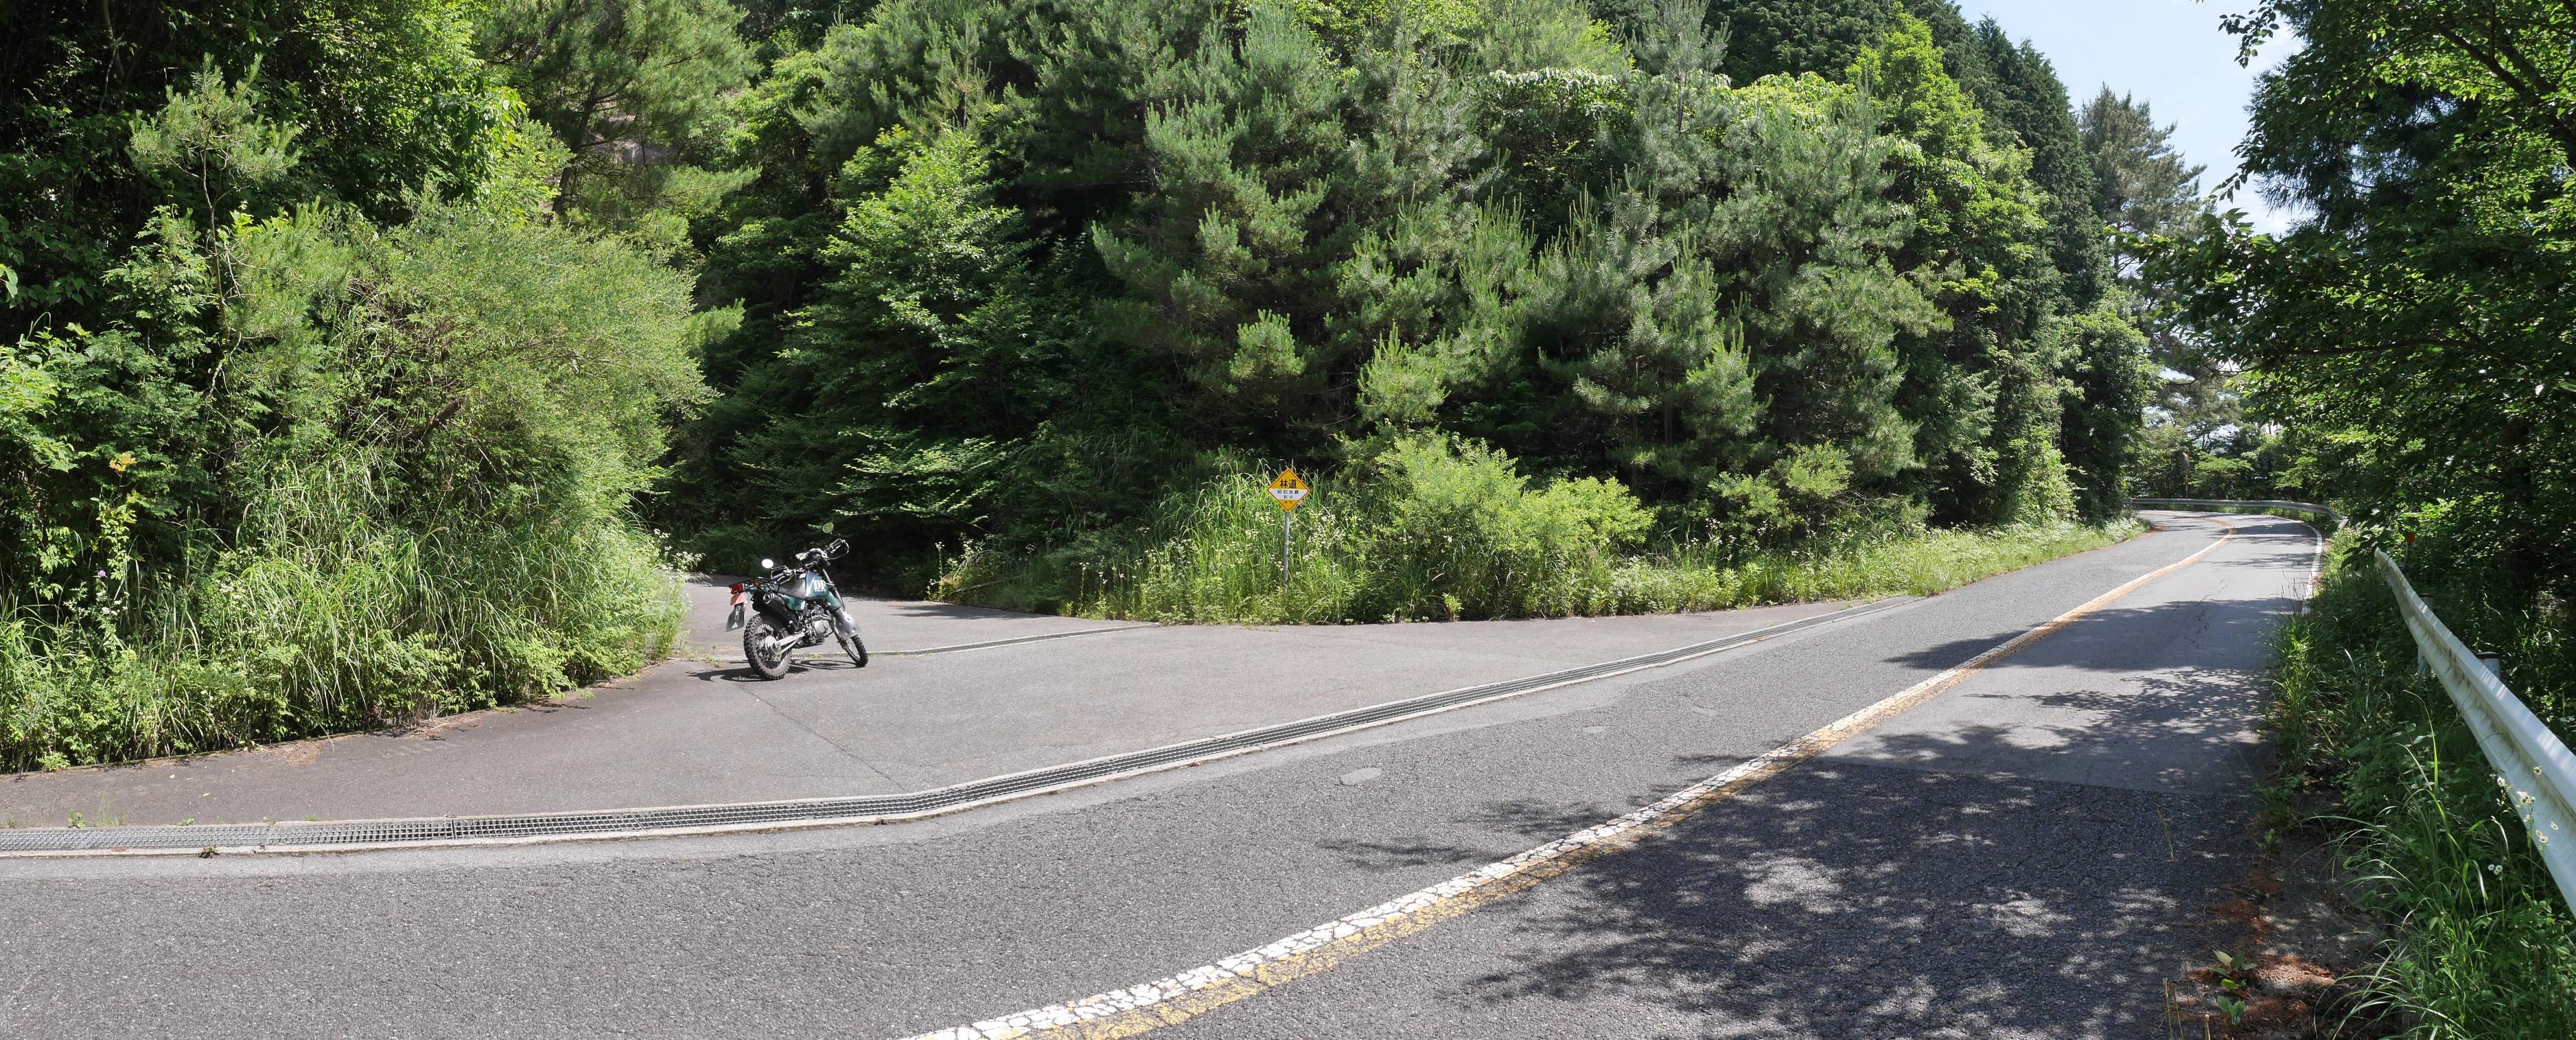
x: 858, y: 651
x: 763, y: 648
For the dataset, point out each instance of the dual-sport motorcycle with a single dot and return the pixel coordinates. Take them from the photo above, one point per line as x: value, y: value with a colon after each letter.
x: 792, y: 608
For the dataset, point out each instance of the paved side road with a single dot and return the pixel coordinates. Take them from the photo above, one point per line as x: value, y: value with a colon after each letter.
x: 2025, y: 855
x: 701, y: 729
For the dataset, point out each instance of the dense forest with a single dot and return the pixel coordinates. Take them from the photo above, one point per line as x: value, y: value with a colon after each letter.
x: 368, y: 358
x: 1009, y: 271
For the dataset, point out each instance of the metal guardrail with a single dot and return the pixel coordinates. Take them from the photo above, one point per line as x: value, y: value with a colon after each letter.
x: 2533, y: 765
x: 2237, y: 504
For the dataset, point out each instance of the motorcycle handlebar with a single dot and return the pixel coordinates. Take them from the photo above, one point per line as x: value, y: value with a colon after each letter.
x: 838, y: 548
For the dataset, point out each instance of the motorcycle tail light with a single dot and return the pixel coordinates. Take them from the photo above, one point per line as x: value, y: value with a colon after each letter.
x: 737, y: 587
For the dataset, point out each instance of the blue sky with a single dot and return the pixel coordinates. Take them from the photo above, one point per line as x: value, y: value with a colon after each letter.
x: 2169, y: 53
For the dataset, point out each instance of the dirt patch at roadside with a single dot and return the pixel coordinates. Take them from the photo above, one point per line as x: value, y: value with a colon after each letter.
x: 2286, y: 947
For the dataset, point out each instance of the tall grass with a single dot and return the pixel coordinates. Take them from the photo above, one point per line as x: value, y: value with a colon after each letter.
x: 1425, y: 538
x: 406, y: 494
x: 2479, y: 943
x: 327, y: 619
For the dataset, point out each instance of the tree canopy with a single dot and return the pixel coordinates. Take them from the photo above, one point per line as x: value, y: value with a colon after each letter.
x: 2412, y: 324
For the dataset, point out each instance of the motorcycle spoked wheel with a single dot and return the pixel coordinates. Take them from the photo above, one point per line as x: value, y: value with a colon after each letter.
x: 763, y: 649
x: 858, y: 651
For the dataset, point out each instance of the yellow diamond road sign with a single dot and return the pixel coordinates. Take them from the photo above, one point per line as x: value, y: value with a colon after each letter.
x: 1290, y: 489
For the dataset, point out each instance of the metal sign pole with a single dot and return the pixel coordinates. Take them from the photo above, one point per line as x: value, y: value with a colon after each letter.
x: 1288, y: 491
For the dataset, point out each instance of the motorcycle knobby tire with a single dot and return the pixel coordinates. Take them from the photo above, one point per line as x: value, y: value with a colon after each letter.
x: 757, y: 633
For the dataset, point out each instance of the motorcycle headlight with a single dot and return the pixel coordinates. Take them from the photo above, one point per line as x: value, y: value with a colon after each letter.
x: 768, y: 564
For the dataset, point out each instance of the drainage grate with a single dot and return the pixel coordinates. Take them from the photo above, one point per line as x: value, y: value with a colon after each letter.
x: 753, y: 815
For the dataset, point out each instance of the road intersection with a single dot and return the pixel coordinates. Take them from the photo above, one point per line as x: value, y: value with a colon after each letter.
x: 2022, y: 854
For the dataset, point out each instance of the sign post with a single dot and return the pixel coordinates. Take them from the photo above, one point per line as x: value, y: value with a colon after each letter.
x: 1290, y: 491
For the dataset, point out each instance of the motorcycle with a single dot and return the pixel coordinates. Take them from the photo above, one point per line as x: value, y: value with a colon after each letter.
x: 794, y: 607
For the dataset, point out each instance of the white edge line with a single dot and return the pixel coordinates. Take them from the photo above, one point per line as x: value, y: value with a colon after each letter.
x: 1244, y: 965
x: 1759, y: 635
x: 2316, y: 567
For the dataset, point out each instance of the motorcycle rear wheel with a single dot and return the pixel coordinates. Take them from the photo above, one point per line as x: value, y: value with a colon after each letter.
x: 763, y: 649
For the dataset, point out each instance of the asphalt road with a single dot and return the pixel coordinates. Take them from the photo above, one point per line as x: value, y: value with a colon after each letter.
x: 701, y: 729
x: 2024, y: 855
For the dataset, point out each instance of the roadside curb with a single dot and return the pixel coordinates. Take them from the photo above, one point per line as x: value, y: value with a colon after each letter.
x: 671, y: 821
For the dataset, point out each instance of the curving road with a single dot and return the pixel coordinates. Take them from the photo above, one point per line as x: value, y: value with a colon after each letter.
x: 2024, y: 853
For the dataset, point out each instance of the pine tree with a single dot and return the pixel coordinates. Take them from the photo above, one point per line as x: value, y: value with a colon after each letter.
x: 2145, y: 188
x: 1805, y: 242
x: 1766, y: 37
x: 630, y: 86
x: 1225, y: 252
x: 2142, y: 186
x: 917, y: 364
x: 1621, y: 329
x: 1980, y: 388
x: 2032, y: 104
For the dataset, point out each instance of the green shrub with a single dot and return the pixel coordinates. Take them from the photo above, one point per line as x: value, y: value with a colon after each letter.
x: 1457, y: 532
x: 411, y: 495
x: 1433, y: 528
x: 2479, y: 942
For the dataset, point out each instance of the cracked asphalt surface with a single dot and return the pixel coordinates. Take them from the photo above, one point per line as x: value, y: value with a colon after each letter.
x: 2024, y: 856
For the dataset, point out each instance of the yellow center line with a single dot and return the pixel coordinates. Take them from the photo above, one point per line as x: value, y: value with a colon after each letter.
x: 1189, y: 994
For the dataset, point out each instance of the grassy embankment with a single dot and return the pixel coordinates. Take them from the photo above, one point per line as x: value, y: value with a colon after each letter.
x: 1470, y: 541
x: 323, y: 622
x: 2479, y: 944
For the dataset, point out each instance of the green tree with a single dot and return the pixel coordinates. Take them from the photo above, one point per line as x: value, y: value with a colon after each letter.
x: 1618, y: 329
x: 2418, y: 312
x: 634, y: 88
x: 1228, y: 250
x: 1808, y: 246
x: 2104, y: 359
x: 1767, y: 37
x: 1983, y: 389
x: 2032, y: 104
x: 388, y: 94
x: 2146, y: 189
x: 2141, y: 185
x: 917, y: 365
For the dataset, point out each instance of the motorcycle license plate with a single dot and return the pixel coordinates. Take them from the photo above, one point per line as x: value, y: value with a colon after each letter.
x: 735, y: 621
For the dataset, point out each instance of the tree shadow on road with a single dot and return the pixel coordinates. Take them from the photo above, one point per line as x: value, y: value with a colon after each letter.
x: 1933, y: 890
x: 2109, y: 639
x: 2172, y: 732
x: 1846, y: 900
